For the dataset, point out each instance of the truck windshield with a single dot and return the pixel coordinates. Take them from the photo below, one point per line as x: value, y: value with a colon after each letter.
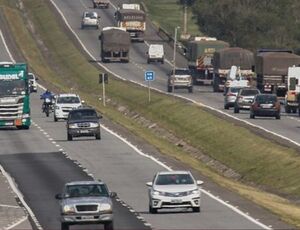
x: 12, y: 88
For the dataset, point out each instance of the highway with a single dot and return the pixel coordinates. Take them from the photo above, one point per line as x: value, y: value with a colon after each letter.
x: 41, y: 160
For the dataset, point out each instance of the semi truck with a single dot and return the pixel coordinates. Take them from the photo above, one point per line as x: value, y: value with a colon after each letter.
x: 14, y: 95
x: 101, y: 4
x: 115, y: 44
x: 200, y: 53
x: 271, y: 67
x: 232, y: 56
x: 133, y: 19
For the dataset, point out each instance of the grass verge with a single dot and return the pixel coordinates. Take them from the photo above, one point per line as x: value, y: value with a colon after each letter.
x: 258, y: 160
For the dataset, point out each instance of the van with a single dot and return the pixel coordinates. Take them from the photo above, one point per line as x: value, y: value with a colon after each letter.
x: 156, y: 53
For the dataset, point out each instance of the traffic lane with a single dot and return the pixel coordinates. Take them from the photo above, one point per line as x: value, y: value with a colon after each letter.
x: 42, y: 175
x: 127, y: 172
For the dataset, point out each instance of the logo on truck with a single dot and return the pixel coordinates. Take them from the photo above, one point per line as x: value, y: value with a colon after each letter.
x: 13, y: 76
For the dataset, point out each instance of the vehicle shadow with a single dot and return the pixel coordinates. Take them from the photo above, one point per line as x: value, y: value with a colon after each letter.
x: 168, y: 212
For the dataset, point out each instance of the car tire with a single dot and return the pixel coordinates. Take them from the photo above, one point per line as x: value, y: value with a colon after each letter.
x: 109, y: 226
x: 162, y: 61
x: 98, y: 136
x: 82, y: 27
x: 70, y: 138
x: 294, y: 110
x: 196, y: 209
x: 287, y: 109
x: 191, y: 89
x: 252, y: 116
x: 278, y: 116
x: 55, y: 119
x: 170, y: 89
x: 226, y: 106
x: 236, y: 109
x: 64, y: 226
x: 152, y: 210
x: 148, y: 61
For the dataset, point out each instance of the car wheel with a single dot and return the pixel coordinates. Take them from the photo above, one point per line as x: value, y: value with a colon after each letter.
x: 70, y: 138
x: 226, y: 106
x: 82, y: 27
x: 148, y: 61
x: 278, y: 116
x: 287, y: 109
x: 196, y: 209
x: 64, y: 226
x: 152, y: 210
x: 109, y: 226
x: 191, y: 89
x: 55, y: 119
x: 98, y: 136
x: 162, y: 61
x: 294, y: 110
x: 252, y: 116
x: 236, y: 109
x: 169, y: 89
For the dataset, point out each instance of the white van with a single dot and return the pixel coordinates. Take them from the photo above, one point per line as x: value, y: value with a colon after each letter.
x: 156, y: 53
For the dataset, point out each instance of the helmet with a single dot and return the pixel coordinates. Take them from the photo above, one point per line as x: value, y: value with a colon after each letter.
x: 47, y: 91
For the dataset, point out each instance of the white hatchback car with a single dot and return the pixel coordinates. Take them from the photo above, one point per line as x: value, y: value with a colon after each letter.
x: 90, y: 19
x: 64, y: 103
x: 175, y: 189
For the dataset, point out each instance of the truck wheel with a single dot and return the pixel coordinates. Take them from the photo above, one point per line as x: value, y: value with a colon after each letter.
x: 278, y: 116
x: 294, y: 110
x: 287, y: 109
x: 169, y: 89
x: 70, y: 138
x: 109, y: 226
x: 226, y: 106
x: 252, y: 116
x: 64, y: 226
x: 55, y: 119
x: 190, y: 89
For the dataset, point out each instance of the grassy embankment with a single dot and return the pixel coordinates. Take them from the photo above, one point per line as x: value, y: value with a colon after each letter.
x: 258, y: 160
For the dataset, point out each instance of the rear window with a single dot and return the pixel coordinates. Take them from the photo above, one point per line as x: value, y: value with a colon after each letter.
x: 30, y: 76
x: 235, y: 90
x: 266, y: 99
x: 249, y: 92
x: 68, y: 100
x: 83, y: 114
x: 182, y: 72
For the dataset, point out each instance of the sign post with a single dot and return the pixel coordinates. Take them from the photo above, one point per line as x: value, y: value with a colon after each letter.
x: 149, y: 76
x: 103, y: 79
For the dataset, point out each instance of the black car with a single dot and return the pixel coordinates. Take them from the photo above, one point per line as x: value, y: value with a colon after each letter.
x: 83, y: 121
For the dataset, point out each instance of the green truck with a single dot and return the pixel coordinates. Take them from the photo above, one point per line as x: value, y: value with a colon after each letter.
x: 14, y: 95
x: 200, y: 53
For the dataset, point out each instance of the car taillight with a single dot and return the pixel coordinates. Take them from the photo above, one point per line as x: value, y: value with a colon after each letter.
x: 230, y: 94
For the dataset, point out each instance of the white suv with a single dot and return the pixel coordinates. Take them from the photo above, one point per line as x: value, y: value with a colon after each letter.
x: 90, y: 19
x: 64, y: 103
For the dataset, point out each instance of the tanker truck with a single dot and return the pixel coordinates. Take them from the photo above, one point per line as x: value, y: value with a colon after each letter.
x: 232, y: 56
x: 271, y: 67
x: 200, y: 53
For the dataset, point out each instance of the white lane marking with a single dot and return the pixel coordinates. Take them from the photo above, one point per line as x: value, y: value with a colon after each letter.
x: 9, y: 206
x: 21, y: 220
x: 6, y: 47
x: 141, y: 153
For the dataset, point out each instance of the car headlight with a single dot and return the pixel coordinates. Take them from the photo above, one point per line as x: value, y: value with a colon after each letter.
x: 105, y: 207
x: 72, y: 126
x: 155, y: 192
x: 195, y: 192
x: 68, y: 209
x: 94, y: 125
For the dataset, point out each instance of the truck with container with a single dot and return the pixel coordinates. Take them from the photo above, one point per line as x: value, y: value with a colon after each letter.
x: 101, y: 4
x: 14, y: 95
x: 271, y: 67
x: 133, y: 19
x: 199, y: 53
x: 291, y: 103
x: 115, y: 44
x: 232, y: 56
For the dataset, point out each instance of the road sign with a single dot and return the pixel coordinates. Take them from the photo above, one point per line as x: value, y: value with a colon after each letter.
x: 149, y: 75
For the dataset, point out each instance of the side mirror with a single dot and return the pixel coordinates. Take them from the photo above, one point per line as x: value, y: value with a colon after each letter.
x: 58, y: 196
x: 113, y: 194
x: 100, y: 117
x: 99, y: 17
x: 199, y: 182
x: 149, y: 184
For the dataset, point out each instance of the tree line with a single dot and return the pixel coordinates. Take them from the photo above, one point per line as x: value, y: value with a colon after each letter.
x: 250, y: 24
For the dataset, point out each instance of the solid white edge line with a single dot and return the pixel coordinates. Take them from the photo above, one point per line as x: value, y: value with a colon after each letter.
x: 6, y: 47
x: 148, y: 156
x: 17, y: 223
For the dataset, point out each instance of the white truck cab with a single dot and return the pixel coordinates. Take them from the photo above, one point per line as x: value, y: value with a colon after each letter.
x: 156, y: 53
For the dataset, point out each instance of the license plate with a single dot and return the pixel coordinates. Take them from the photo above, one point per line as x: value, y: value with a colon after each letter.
x: 9, y: 123
x: 87, y: 217
x: 266, y: 106
x: 84, y: 131
x: 176, y: 201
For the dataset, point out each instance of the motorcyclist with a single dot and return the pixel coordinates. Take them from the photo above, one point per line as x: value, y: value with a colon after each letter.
x: 48, y: 97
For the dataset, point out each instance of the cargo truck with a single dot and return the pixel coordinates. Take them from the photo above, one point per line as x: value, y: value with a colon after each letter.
x: 115, y: 44
x: 227, y: 57
x: 200, y: 53
x: 271, y: 67
x: 133, y: 19
x: 291, y: 103
x: 14, y: 95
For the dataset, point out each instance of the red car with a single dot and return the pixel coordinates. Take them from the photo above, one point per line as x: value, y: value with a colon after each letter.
x: 265, y: 105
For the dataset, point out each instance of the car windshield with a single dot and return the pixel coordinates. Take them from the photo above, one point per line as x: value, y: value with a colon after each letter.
x: 83, y: 114
x: 68, y: 100
x: 170, y: 179
x: 30, y: 76
x: 234, y: 90
x: 87, y: 190
x: 91, y: 15
x: 182, y: 72
x: 266, y: 99
x: 249, y: 92
x: 12, y: 87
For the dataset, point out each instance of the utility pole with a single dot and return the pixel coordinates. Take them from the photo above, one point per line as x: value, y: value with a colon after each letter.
x: 174, y: 55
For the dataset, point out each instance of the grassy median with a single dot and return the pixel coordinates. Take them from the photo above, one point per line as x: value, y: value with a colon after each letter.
x: 259, y: 161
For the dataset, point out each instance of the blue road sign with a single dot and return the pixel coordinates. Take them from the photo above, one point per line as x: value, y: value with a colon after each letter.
x: 149, y: 75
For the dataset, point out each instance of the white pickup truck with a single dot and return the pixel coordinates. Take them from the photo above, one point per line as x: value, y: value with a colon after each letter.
x: 101, y: 3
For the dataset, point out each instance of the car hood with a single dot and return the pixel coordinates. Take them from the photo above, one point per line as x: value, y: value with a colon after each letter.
x: 69, y: 105
x: 86, y: 200
x: 175, y: 188
x: 83, y: 121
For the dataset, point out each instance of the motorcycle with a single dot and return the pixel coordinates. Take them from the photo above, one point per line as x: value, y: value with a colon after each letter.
x: 47, y: 106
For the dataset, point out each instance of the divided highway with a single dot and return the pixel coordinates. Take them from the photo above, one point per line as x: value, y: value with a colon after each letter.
x: 41, y: 160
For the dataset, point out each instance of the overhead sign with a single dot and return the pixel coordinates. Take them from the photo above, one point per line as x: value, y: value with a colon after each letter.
x: 149, y: 75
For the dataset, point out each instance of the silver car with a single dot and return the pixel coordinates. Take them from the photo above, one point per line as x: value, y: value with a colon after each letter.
x: 230, y: 97
x: 175, y: 189
x: 245, y: 98
x: 86, y: 202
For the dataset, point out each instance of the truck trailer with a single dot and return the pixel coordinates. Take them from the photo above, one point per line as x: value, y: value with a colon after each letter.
x: 14, y: 95
x: 133, y: 19
x: 115, y: 44
x: 200, y: 53
x: 271, y: 67
x: 232, y: 56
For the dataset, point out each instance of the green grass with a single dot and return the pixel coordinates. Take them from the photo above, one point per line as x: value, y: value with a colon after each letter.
x: 158, y: 9
x: 258, y: 160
